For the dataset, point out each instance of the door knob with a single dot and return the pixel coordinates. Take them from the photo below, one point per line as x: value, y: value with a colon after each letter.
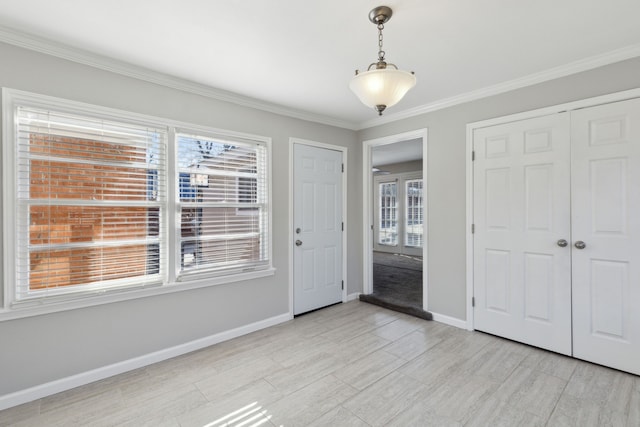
x: 580, y: 244
x: 562, y: 243
x: 298, y: 242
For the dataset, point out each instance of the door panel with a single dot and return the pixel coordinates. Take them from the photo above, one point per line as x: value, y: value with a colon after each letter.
x: 606, y: 217
x: 317, y: 211
x: 522, y: 282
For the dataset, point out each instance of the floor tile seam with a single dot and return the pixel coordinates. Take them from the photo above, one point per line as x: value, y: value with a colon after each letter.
x: 358, y: 391
x: 333, y: 370
x: 368, y: 353
x: 397, y: 370
x: 474, y: 408
x: 355, y: 415
x: 325, y: 413
x: 216, y: 397
x: 555, y: 406
x: 384, y: 348
x: 407, y: 333
x: 400, y: 357
x: 343, y: 383
x: 81, y: 402
x: 287, y: 394
x: 405, y: 362
x: 356, y: 336
x: 378, y: 325
x: 550, y: 374
x: 384, y: 376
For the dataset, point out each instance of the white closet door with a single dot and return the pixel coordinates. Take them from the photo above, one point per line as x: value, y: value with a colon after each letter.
x: 522, y: 282
x: 606, y: 217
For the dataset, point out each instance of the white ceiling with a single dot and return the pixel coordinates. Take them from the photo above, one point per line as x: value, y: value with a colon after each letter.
x: 300, y: 55
x: 404, y: 151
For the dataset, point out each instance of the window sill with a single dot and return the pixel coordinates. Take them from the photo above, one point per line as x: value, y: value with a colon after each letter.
x: 74, y: 303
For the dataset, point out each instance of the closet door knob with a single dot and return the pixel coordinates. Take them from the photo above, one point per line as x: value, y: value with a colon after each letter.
x: 580, y: 244
x: 562, y: 243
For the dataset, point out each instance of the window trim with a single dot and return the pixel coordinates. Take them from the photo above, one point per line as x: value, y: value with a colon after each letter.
x: 169, y: 282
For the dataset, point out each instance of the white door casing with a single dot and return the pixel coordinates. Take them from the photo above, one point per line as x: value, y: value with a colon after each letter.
x: 317, y: 239
x: 522, y: 277
x: 368, y: 213
x: 606, y: 217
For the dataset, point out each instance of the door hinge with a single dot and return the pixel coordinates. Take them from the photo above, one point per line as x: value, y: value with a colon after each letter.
x: 343, y: 226
x: 473, y: 155
x: 343, y: 285
x: 343, y: 167
x: 473, y: 301
x: 473, y: 228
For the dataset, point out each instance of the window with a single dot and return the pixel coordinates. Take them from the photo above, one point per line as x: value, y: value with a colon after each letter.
x: 90, y: 204
x: 88, y: 199
x: 414, y: 213
x: 388, y: 227
x: 224, y: 211
x: 399, y: 213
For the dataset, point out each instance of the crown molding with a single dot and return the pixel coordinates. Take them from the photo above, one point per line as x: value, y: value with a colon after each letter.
x: 49, y: 47
x: 60, y: 50
x: 575, y: 67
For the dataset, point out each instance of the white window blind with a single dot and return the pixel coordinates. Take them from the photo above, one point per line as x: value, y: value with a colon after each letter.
x: 89, y: 200
x: 414, y: 217
x: 223, y: 195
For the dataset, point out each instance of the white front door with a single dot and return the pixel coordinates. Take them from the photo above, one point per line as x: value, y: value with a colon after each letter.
x: 606, y: 219
x: 522, y: 267
x: 318, y: 223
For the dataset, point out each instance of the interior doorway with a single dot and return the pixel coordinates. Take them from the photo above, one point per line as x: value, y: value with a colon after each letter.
x: 395, y: 217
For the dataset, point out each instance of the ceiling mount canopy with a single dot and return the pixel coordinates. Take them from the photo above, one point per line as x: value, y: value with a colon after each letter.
x: 380, y: 86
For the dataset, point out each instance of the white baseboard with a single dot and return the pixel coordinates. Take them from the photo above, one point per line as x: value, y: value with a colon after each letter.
x: 451, y: 321
x: 353, y: 296
x: 47, y: 389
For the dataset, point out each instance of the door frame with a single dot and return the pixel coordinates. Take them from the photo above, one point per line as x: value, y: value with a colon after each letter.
x: 471, y: 127
x: 367, y: 208
x: 290, y: 235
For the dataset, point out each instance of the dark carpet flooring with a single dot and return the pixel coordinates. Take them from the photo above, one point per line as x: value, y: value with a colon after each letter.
x: 397, y: 283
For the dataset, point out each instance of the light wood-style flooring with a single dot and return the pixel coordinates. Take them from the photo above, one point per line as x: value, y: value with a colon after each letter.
x: 352, y: 364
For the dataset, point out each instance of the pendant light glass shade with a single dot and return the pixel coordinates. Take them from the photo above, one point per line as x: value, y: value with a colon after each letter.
x: 382, y: 87
x: 383, y: 84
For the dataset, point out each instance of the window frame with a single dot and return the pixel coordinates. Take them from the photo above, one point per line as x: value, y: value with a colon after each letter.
x: 392, y: 212
x: 412, y: 209
x: 169, y: 281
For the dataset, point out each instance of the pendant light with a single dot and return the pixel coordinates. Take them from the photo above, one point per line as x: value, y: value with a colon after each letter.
x: 381, y: 86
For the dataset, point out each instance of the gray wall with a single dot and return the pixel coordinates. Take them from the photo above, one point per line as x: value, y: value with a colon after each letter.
x: 44, y: 348
x: 446, y: 157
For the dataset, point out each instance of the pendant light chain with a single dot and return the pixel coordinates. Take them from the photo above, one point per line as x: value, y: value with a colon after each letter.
x: 381, y: 52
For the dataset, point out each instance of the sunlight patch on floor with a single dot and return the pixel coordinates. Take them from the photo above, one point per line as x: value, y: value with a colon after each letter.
x: 252, y: 415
